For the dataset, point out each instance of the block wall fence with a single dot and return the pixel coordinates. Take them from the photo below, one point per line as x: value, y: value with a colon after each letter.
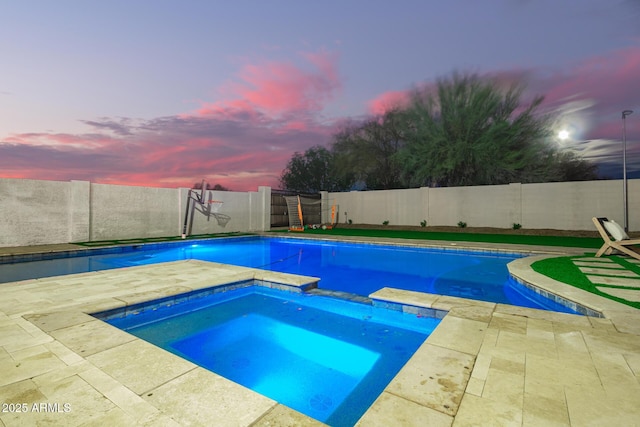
x: 560, y: 206
x: 35, y: 212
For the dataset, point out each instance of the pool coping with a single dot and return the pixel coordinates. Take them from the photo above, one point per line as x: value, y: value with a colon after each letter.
x: 586, y: 302
x: 429, y: 388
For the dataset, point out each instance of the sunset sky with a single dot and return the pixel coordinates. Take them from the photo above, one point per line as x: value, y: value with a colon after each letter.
x: 168, y: 92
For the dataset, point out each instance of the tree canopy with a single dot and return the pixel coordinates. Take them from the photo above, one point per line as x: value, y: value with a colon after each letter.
x: 217, y: 187
x: 466, y: 131
x: 470, y: 133
x: 367, y: 153
x: 311, y: 172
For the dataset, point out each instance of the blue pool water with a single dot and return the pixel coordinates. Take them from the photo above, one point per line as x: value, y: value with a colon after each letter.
x: 325, y: 357
x: 355, y: 268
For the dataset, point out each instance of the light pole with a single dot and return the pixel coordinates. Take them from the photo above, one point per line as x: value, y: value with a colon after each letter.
x: 625, y: 195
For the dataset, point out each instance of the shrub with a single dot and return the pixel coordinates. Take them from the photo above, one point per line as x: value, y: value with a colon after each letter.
x: 462, y: 224
x: 350, y: 221
x: 385, y: 222
x: 423, y: 223
x: 516, y: 226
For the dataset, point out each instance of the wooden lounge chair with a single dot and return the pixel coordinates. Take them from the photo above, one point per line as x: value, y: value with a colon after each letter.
x: 615, y: 238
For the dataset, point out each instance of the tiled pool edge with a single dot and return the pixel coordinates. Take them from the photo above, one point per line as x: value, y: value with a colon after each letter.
x: 554, y: 296
x: 592, y: 305
x: 195, y: 294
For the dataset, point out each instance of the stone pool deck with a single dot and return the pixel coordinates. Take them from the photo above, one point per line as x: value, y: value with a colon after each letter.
x: 485, y: 364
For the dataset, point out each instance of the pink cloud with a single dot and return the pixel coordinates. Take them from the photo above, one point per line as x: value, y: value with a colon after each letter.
x: 228, y: 109
x: 238, y: 153
x: 244, y: 140
x: 610, y: 80
x: 281, y: 88
x: 67, y: 141
x: 388, y: 101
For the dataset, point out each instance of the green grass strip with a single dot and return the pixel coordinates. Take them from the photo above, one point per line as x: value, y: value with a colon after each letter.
x: 564, y: 270
x: 516, y: 239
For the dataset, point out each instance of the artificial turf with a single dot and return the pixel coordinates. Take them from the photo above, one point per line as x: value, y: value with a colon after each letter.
x: 564, y: 270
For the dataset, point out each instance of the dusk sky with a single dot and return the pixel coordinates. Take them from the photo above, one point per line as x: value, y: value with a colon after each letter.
x: 168, y: 92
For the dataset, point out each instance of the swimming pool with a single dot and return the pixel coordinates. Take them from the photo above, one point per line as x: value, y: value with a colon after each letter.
x: 325, y: 357
x: 356, y: 268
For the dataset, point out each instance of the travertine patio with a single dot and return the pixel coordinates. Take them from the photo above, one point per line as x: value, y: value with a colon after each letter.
x: 485, y: 364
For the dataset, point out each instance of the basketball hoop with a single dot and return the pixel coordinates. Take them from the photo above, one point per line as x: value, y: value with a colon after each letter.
x: 196, y: 202
x: 215, y: 205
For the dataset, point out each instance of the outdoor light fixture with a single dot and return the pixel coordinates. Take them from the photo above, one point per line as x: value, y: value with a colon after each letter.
x: 625, y: 195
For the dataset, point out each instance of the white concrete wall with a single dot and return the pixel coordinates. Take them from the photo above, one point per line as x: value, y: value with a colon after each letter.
x: 79, y: 211
x: 561, y: 206
x: 399, y: 207
x: 571, y: 205
x: 123, y: 212
x: 482, y: 206
x: 261, y: 208
x: 34, y: 212
x: 46, y: 212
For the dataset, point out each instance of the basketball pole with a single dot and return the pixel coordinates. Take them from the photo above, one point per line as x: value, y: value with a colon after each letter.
x: 192, y: 197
